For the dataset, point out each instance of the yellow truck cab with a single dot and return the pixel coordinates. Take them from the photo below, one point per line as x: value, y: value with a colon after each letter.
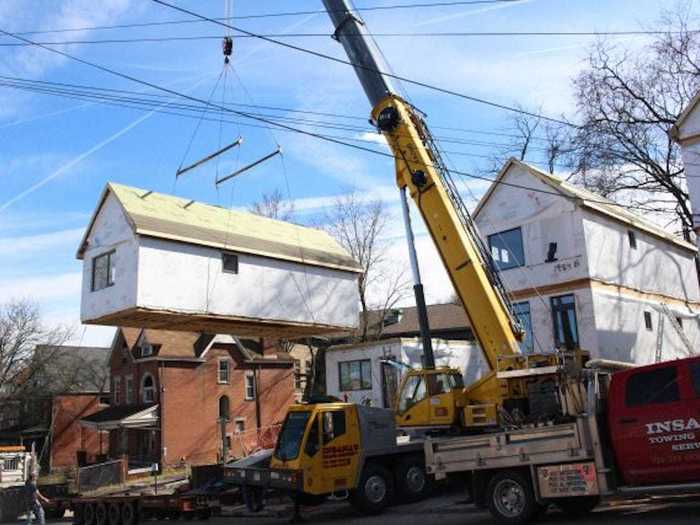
x: 339, y: 449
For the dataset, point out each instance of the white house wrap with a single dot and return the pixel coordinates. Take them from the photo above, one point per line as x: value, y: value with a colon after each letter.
x: 158, y: 261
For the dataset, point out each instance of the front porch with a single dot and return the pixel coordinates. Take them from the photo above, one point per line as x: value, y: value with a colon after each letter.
x: 134, y: 435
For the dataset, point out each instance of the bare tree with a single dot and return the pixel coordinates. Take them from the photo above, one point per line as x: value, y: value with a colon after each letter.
x: 274, y: 206
x: 358, y: 226
x: 21, y: 331
x: 627, y: 105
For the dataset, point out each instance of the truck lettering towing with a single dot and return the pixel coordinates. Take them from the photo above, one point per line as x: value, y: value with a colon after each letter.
x: 675, y: 425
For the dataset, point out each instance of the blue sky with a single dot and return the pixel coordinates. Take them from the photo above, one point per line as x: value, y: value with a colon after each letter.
x: 56, y: 154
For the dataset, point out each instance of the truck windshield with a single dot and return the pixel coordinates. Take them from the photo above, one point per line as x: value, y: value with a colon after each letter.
x: 289, y: 441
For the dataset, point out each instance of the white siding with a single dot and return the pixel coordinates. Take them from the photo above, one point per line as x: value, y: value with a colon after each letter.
x: 464, y: 355
x: 111, y: 231
x: 189, y: 278
x: 655, y: 266
x: 542, y: 218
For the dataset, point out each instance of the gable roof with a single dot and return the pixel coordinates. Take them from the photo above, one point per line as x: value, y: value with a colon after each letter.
x: 586, y: 199
x: 675, y: 130
x: 173, y: 218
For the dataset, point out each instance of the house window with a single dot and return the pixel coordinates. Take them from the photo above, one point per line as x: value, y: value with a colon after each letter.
x: 551, y: 252
x: 224, y: 371
x: 507, y: 249
x: 239, y: 425
x: 647, y: 321
x: 148, y: 389
x: 522, y: 313
x: 224, y: 408
x: 632, y: 238
x: 564, y: 317
x: 250, y: 386
x: 355, y: 375
x: 103, y: 271
x: 146, y: 349
x: 297, y: 374
x: 117, y: 390
x: 129, y: 390
x: 655, y: 386
x: 229, y: 262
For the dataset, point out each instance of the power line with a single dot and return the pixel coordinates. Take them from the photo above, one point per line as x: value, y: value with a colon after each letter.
x: 301, y: 131
x: 267, y: 15
x: 360, y: 66
x: 188, y: 38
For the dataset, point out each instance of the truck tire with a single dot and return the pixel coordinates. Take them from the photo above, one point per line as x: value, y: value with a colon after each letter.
x: 78, y: 518
x: 375, y: 490
x: 577, y: 507
x: 412, y: 481
x: 114, y: 514
x: 129, y: 515
x: 511, y: 499
x: 89, y: 514
x: 101, y: 513
x: 9, y: 505
x: 254, y: 498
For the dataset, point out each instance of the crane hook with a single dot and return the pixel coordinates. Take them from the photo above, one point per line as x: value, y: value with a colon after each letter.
x: 227, y: 47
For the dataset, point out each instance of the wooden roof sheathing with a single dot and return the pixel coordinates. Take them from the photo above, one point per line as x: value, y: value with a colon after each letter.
x: 167, y: 217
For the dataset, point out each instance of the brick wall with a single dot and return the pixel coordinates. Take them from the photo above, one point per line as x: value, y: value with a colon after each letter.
x: 68, y: 436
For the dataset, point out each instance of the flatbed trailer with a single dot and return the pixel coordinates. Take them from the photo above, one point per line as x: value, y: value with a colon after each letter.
x: 130, y: 509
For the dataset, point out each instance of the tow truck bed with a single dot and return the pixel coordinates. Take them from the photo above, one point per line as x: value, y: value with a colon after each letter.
x: 561, y: 443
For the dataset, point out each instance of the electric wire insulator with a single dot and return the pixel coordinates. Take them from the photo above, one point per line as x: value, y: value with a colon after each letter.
x: 227, y: 48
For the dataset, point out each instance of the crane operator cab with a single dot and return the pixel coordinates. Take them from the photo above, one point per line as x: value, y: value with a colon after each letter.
x: 429, y: 399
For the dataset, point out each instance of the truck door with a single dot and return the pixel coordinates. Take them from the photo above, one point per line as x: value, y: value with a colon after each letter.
x: 652, y: 421
x: 340, y: 448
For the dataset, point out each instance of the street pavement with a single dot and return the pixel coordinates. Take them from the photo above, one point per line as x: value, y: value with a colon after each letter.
x: 449, y: 510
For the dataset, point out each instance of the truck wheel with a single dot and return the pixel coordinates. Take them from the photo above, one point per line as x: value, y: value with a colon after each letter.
x: 114, y: 514
x: 578, y: 506
x: 89, y: 514
x: 510, y: 498
x: 129, y: 516
x: 375, y: 490
x: 412, y: 481
x: 101, y: 513
x: 253, y: 498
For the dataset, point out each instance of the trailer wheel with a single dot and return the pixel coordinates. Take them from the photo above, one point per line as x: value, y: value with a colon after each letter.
x: 89, y: 514
x: 78, y: 518
x: 375, y: 490
x: 101, y: 513
x: 253, y: 498
x: 511, y: 499
x: 114, y: 514
x: 412, y: 481
x: 129, y: 515
x: 577, y: 507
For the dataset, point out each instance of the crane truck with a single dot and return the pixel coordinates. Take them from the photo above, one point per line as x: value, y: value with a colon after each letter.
x: 536, y: 430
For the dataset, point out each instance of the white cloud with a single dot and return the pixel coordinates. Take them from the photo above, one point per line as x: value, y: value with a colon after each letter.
x: 31, y: 244
x: 42, y: 287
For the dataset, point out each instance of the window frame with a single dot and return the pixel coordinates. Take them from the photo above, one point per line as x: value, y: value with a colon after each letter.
x: 632, y: 387
x: 236, y: 422
x: 110, y: 270
x: 129, y: 389
x: 233, y: 256
x: 224, y: 400
x: 219, y: 362
x: 117, y: 390
x: 500, y: 235
x: 648, y: 322
x: 362, y: 386
x: 151, y: 389
x: 250, y: 386
x: 575, y: 334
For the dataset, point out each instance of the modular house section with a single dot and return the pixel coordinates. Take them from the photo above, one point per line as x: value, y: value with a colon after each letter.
x: 157, y: 261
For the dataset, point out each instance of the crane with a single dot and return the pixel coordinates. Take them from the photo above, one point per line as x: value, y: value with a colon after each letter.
x: 433, y: 397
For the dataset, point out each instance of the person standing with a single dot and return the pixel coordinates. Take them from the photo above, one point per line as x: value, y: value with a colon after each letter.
x: 34, y: 499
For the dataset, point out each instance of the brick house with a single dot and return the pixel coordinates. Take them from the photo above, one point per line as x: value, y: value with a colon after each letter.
x: 185, y: 397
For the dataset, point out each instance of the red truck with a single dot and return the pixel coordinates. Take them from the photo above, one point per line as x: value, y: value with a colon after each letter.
x: 638, y: 433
